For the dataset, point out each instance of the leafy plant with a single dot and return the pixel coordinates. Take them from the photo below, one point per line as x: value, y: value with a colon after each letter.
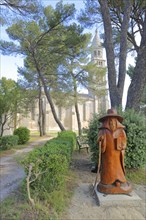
x: 68, y: 135
x: 8, y: 141
x: 23, y: 134
x: 46, y: 168
x: 92, y: 135
x: 136, y: 139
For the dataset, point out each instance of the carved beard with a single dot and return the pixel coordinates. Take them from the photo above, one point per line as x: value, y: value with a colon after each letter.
x: 112, y: 124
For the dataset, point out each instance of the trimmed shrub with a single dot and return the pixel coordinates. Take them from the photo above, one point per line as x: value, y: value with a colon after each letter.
x: 23, y: 134
x: 47, y: 167
x: 136, y: 138
x: 68, y: 135
x: 8, y: 141
x: 60, y: 146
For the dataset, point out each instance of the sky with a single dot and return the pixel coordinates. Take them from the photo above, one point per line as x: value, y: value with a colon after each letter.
x: 9, y: 64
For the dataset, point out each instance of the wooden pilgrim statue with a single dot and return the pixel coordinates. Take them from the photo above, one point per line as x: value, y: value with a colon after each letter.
x: 112, y: 140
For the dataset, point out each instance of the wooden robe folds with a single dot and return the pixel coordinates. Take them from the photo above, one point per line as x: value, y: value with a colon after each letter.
x: 113, y: 143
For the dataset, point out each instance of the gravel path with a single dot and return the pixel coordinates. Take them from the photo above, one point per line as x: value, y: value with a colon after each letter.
x: 11, y: 173
x: 84, y: 206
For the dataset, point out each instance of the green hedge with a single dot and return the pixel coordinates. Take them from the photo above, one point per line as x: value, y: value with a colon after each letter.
x: 23, y: 134
x: 68, y: 135
x: 50, y: 162
x: 135, y: 129
x: 60, y: 146
x: 8, y: 141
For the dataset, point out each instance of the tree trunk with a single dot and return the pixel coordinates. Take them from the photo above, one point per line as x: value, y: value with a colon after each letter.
x: 123, y: 48
x: 47, y: 93
x: 78, y: 119
x: 109, y: 53
x: 76, y: 106
x: 51, y: 104
x: 138, y: 82
x: 3, y: 120
x: 40, y: 117
x: 44, y: 117
x: 40, y: 110
x: 115, y: 88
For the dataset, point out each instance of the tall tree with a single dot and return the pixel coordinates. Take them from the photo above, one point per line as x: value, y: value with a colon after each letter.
x: 138, y: 83
x: 116, y: 86
x: 77, y: 72
x: 122, y: 20
x: 45, y: 43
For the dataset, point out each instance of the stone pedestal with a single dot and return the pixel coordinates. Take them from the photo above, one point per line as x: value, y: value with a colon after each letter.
x: 131, y: 199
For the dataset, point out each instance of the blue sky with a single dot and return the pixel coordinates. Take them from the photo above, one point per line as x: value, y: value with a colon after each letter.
x: 9, y: 64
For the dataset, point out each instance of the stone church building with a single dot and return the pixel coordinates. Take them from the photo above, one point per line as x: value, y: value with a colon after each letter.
x: 89, y: 105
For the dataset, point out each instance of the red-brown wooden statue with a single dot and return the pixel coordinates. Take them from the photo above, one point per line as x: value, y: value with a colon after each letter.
x: 112, y: 139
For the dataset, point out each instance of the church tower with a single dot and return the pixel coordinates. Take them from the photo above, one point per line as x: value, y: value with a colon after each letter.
x: 97, y: 51
x: 97, y: 58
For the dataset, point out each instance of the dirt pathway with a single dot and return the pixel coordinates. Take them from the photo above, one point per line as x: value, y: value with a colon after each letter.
x: 84, y: 206
x: 11, y: 173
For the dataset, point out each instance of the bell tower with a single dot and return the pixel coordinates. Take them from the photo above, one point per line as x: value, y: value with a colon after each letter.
x: 100, y: 99
x: 97, y: 51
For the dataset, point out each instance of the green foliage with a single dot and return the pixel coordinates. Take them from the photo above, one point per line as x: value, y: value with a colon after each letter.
x: 56, y: 199
x: 52, y: 175
x: 8, y: 90
x: 8, y: 141
x: 136, y: 138
x: 23, y: 134
x: 12, y: 99
x: 49, y: 168
x: 68, y: 135
x: 22, y: 8
x: 61, y: 145
x: 92, y: 137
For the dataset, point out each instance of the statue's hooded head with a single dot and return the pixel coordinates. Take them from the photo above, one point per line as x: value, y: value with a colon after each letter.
x: 111, y: 113
x: 111, y: 120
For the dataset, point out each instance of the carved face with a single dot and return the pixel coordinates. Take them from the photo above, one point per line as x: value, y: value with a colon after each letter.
x: 113, y: 124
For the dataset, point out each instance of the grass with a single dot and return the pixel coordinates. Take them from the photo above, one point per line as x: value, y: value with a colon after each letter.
x: 137, y: 176
x: 17, y: 207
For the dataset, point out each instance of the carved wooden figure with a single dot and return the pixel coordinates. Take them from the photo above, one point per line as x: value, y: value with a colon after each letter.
x: 113, y: 143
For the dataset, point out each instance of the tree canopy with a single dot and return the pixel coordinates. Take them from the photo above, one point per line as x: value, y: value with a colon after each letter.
x: 48, y: 43
x: 123, y: 21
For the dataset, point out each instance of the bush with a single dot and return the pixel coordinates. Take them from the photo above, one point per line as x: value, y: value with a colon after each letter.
x: 60, y: 146
x: 50, y: 170
x: 50, y: 165
x: 136, y: 138
x: 92, y: 134
x: 8, y: 141
x: 23, y: 134
x: 68, y: 135
x: 135, y: 129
